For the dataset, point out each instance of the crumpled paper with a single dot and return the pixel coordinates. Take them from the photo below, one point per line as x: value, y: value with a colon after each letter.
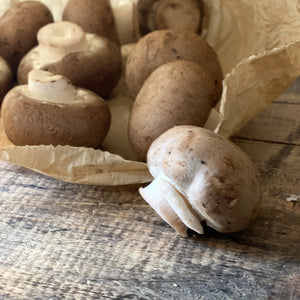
x: 258, y: 44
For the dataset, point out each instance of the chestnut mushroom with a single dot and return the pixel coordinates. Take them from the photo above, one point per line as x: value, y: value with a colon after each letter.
x: 162, y: 46
x: 88, y: 60
x: 51, y: 111
x: 18, y: 28
x: 6, y: 78
x: 200, y: 176
x: 176, y: 93
x: 93, y: 16
x: 170, y: 14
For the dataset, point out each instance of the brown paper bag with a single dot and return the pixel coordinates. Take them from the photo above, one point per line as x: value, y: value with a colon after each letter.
x: 258, y: 43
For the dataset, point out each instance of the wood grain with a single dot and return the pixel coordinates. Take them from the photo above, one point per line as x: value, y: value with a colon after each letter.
x: 65, y: 241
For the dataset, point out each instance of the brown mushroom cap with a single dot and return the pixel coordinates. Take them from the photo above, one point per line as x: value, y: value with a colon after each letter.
x: 176, y: 93
x: 162, y: 46
x: 95, y: 65
x: 18, y: 29
x: 6, y: 78
x: 214, y: 180
x: 93, y: 16
x: 29, y: 119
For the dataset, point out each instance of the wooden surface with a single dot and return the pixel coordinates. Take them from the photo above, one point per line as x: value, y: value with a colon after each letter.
x: 67, y: 241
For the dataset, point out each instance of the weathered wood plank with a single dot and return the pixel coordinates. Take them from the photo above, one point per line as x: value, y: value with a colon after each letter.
x: 294, y: 88
x: 278, y: 123
x: 59, y: 240
x: 65, y: 241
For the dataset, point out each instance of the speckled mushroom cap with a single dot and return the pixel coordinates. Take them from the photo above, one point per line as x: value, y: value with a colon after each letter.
x: 176, y: 93
x: 162, y: 46
x: 202, y: 177
x: 51, y: 111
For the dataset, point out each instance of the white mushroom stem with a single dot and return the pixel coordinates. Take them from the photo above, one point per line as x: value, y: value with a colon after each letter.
x: 127, y: 20
x: 56, y: 40
x: 171, y: 205
x: 175, y: 14
x: 48, y: 87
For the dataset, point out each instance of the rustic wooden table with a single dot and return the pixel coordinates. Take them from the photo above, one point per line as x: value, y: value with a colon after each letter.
x: 65, y: 241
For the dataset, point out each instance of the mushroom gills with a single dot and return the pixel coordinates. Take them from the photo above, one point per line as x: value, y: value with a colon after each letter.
x: 171, y: 205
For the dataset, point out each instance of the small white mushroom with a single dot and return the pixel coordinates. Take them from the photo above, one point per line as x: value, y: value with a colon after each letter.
x: 88, y: 60
x: 50, y: 110
x: 201, y: 177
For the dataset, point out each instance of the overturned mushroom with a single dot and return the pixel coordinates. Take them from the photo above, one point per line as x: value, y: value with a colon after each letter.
x: 6, y: 78
x: 92, y: 16
x: 176, y: 93
x: 201, y: 177
x: 170, y: 14
x: 162, y: 46
x: 88, y: 60
x: 50, y: 110
x: 18, y: 28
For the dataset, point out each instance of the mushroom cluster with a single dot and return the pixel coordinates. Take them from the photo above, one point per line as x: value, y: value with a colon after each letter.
x: 176, y: 79
x: 65, y: 70
x: 47, y: 58
x: 90, y: 61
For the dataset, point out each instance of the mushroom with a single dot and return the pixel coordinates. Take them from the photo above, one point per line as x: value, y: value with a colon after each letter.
x: 56, y: 7
x: 170, y: 14
x: 50, y: 110
x: 6, y: 78
x: 88, y: 60
x: 92, y: 16
x: 162, y: 46
x: 18, y: 28
x: 127, y: 20
x: 200, y: 176
x: 177, y: 93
